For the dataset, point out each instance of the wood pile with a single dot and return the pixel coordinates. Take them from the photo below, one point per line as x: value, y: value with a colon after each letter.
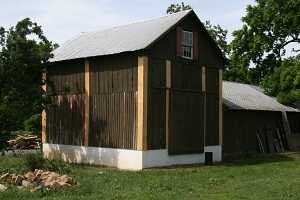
x: 24, y: 142
x: 39, y: 179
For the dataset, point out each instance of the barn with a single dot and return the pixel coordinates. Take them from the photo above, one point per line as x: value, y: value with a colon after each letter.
x: 135, y: 96
x: 252, y: 118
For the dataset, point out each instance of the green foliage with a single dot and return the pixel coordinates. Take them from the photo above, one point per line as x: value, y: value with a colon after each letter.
x: 174, y: 8
x: 24, y: 52
x: 258, y: 47
x: 284, y: 83
x: 37, y: 161
x: 33, y: 124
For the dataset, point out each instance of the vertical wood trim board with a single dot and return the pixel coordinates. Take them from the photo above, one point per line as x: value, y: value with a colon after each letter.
x: 204, y: 100
x: 220, y: 106
x: 142, y: 102
x: 44, y: 114
x: 87, y: 89
x: 168, y: 87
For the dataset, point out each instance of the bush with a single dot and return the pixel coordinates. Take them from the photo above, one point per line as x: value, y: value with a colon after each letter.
x: 34, y: 124
x: 37, y: 161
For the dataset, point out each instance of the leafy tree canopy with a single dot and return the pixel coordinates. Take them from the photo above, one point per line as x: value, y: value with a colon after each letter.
x: 259, y: 47
x: 24, y: 50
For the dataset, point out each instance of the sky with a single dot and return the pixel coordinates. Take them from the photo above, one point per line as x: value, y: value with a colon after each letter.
x: 64, y: 19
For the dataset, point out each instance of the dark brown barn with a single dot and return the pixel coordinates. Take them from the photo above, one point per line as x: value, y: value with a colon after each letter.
x: 249, y: 114
x: 136, y: 96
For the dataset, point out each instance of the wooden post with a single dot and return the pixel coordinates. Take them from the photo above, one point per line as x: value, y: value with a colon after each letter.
x: 203, y: 74
x: 86, y: 125
x: 142, y: 102
x: 44, y: 114
x: 168, y: 87
x: 220, y: 106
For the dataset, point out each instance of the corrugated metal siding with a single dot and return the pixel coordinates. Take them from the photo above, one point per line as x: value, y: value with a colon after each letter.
x: 113, y: 101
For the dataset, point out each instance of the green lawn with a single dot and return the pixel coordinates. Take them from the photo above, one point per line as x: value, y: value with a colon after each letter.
x: 264, y: 177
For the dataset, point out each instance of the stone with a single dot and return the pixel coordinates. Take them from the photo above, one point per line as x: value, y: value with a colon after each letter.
x: 2, y: 188
x: 18, y: 180
x: 26, y: 184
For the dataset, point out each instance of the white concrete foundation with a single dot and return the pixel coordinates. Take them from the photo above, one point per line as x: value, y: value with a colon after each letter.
x: 123, y: 158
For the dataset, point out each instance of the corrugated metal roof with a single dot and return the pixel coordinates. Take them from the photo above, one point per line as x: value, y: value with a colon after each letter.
x: 240, y: 96
x: 131, y: 37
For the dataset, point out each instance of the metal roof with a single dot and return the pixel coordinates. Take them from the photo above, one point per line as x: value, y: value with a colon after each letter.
x: 131, y: 37
x: 240, y: 96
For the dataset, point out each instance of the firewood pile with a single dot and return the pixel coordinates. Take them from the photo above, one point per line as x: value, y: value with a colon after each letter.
x: 24, y: 142
x: 39, y: 179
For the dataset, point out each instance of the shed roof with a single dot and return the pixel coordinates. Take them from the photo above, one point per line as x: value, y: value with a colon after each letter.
x: 238, y: 96
x: 125, y: 38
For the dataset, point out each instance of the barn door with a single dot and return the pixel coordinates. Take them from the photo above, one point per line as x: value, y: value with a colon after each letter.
x: 186, y: 110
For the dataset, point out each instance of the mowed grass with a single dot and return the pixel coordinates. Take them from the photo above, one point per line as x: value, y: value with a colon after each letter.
x: 260, y: 177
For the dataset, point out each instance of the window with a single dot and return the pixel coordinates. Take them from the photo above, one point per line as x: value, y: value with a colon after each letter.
x: 187, y: 44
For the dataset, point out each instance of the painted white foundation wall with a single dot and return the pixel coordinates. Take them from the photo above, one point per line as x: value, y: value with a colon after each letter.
x: 123, y: 158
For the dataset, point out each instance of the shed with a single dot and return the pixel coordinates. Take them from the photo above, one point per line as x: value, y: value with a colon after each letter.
x: 135, y: 96
x: 248, y: 111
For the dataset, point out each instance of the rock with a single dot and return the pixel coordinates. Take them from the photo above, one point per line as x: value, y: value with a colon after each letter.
x: 2, y: 188
x: 18, y: 180
x: 27, y: 184
x: 20, y: 187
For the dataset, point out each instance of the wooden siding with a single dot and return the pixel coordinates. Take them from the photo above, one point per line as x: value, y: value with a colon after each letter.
x: 212, y: 107
x: 294, y: 120
x: 240, y: 128
x: 157, y: 104
x: 65, y: 120
x: 65, y: 112
x: 186, y: 110
x: 113, y: 101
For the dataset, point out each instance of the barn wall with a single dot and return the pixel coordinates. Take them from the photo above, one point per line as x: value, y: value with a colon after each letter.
x: 113, y: 101
x: 240, y: 128
x: 188, y: 76
x: 294, y: 120
x: 65, y: 113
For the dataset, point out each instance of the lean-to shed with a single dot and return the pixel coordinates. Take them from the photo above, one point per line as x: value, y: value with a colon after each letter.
x: 248, y: 112
x: 135, y: 96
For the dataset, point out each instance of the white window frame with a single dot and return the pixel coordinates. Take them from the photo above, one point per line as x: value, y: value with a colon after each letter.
x: 185, y: 43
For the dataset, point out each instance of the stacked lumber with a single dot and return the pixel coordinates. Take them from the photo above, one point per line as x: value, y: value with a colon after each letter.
x: 24, y: 142
x: 39, y: 179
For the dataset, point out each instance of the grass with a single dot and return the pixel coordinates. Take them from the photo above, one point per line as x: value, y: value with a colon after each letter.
x: 258, y: 177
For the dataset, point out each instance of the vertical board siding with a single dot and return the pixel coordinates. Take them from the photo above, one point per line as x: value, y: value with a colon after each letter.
x: 113, y: 102
x: 65, y: 120
x: 65, y: 112
x: 186, y: 110
x: 294, y: 121
x: 240, y: 128
x: 156, y: 138
x: 212, y: 107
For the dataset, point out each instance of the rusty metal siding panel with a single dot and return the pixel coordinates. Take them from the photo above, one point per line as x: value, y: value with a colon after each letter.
x: 65, y: 120
x: 113, y: 101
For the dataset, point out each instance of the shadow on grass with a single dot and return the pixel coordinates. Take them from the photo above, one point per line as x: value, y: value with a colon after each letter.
x: 255, y: 159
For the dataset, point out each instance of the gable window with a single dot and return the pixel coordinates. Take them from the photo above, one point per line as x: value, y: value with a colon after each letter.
x: 187, y: 44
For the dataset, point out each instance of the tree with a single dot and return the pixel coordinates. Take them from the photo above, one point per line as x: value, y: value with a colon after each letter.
x: 259, y: 46
x: 174, y: 8
x: 284, y: 83
x: 24, y: 52
x: 215, y: 31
